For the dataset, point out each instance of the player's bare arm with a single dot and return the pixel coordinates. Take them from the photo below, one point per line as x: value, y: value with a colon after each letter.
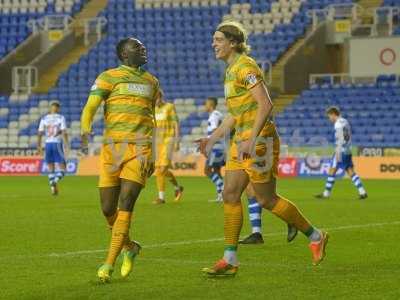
x: 88, y: 113
x: 225, y: 128
x: 260, y: 94
x: 39, y: 143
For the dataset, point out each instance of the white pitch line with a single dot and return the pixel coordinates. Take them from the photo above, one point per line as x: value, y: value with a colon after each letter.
x: 191, y: 242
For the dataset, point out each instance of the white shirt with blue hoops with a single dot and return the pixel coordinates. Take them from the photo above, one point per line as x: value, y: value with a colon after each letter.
x: 214, y: 120
x: 53, y: 125
x: 342, y: 137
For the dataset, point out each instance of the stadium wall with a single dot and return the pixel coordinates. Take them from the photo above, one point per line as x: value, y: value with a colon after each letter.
x: 193, y: 165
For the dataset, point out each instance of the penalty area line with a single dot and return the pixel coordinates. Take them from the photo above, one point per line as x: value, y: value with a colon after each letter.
x: 204, y: 241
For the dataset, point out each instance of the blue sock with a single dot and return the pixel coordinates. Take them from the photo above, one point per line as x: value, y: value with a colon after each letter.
x: 51, y: 177
x: 254, y: 214
x: 218, y: 182
x: 59, y: 175
x: 330, y: 181
x: 358, y: 184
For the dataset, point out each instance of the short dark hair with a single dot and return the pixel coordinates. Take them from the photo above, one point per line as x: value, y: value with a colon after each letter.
x: 333, y: 110
x: 121, y: 46
x: 213, y: 100
x: 55, y: 103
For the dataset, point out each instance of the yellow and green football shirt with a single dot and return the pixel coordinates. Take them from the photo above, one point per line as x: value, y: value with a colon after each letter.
x: 129, y: 96
x: 240, y: 76
x: 166, y: 119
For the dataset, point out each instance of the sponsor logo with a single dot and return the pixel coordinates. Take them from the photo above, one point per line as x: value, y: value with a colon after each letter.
x: 140, y: 89
x: 184, y: 166
x: 324, y: 165
x: 20, y: 166
x: 390, y: 168
x: 287, y: 167
x: 71, y: 167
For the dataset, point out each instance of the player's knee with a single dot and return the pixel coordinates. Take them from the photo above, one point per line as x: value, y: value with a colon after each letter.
x: 231, y: 194
x: 267, y: 200
x: 207, y: 171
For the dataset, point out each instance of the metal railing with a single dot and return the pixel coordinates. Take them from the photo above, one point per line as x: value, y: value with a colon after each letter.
x: 51, y: 22
x: 350, y: 11
x: 24, y: 79
x: 93, y: 29
x: 382, y: 17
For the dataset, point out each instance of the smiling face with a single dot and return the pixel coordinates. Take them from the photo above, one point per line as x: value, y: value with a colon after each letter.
x: 223, y: 47
x: 134, y: 53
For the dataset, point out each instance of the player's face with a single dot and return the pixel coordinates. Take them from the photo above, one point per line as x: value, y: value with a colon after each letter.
x: 208, y: 106
x: 134, y: 54
x: 223, y: 47
x: 54, y: 109
x: 332, y: 117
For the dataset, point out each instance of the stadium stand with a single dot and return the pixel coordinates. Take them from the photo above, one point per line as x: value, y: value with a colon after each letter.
x: 371, y: 109
x: 178, y: 34
x: 14, y: 15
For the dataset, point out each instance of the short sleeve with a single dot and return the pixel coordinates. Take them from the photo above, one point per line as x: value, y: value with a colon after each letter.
x: 173, y: 114
x: 250, y: 75
x: 102, y: 86
x: 41, y: 125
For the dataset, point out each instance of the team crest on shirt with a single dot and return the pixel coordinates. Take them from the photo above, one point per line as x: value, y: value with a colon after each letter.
x: 251, y: 79
x: 94, y: 87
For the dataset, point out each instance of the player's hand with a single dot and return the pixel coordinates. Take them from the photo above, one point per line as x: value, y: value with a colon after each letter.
x: 203, y: 146
x: 66, y: 151
x: 177, y: 146
x: 245, y: 149
x: 84, y: 144
x: 40, y: 151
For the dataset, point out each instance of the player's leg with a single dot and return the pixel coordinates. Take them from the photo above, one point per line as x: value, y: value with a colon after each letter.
x: 60, y: 160
x: 357, y: 183
x: 160, y: 174
x: 288, y: 212
x: 235, y: 183
x: 215, y: 176
x: 128, y: 195
x: 49, y: 158
x: 178, y: 188
x: 255, y: 211
x: 330, y: 181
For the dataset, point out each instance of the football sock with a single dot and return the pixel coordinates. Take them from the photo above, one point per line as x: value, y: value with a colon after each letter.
x: 51, y: 177
x: 161, y: 183
x: 289, y: 213
x: 120, y: 233
x: 218, y: 182
x: 255, y: 211
x: 358, y: 184
x: 330, y: 181
x: 111, y: 220
x: 161, y: 195
x: 233, y: 220
x: 172, y: 179
x: 59, y: 175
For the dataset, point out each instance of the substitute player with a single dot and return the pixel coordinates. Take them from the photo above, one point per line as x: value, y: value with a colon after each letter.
x: 54, y: 127
x: 216, y: 158
x: 254, y: 151
x: 128, y: 94
x: 167, y: 141
x: 342, y: 159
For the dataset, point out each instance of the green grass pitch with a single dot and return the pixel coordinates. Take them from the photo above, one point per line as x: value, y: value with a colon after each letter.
x: 51, y: 247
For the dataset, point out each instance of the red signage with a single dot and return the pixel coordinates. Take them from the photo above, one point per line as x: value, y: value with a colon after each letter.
x: 19, y: 166
x: 287, y: 167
